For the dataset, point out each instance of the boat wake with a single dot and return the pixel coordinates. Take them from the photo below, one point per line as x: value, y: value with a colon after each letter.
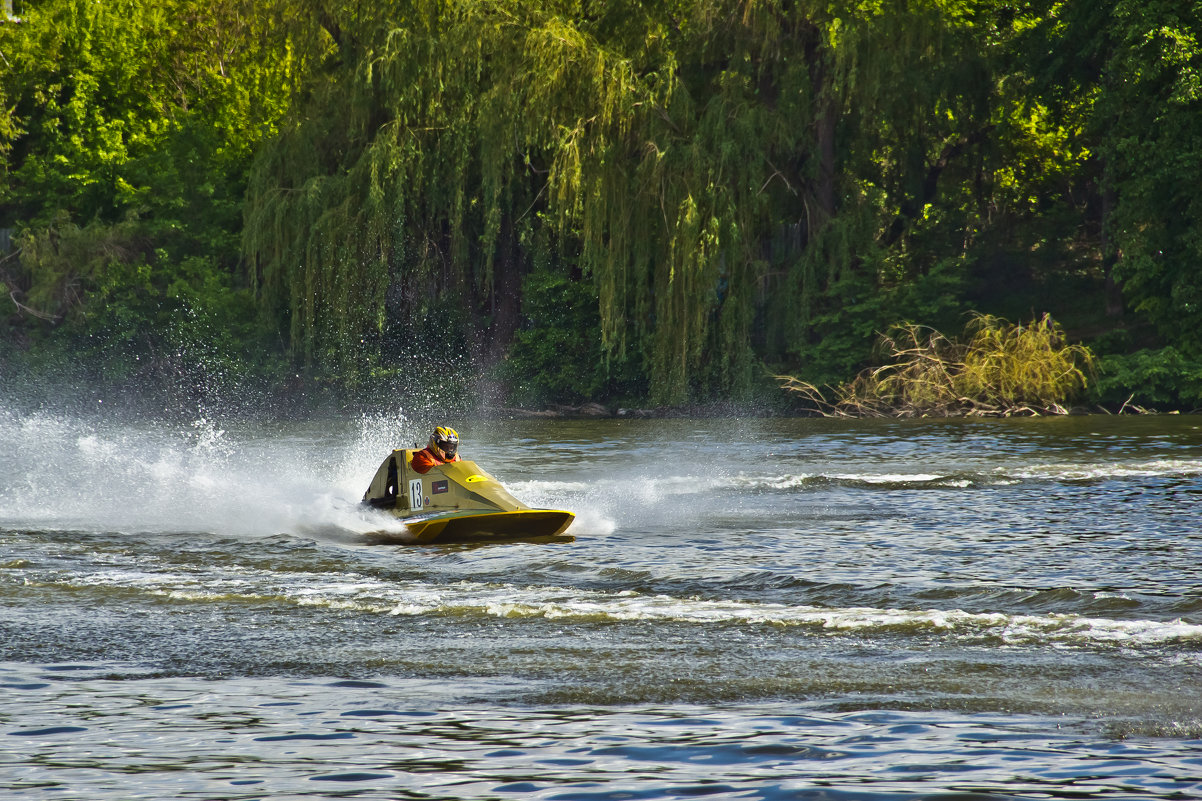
x: 356, y: 592
x: 652, y: 488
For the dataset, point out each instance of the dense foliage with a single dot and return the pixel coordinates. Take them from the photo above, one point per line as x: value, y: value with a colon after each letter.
x: 129, y: 127
x: 662, y: 202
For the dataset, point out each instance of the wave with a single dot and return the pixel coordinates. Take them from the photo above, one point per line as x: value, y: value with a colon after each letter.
x: 656, y: 487
x: 1084, y: 472
x: 368, y: 595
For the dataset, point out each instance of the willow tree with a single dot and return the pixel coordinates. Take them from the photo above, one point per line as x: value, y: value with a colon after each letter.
x: 796, y: 150
x: 430, y: 150
x: 695, y: 160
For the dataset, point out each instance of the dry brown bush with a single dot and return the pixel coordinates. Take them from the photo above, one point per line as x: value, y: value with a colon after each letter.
x: 1000, y: 369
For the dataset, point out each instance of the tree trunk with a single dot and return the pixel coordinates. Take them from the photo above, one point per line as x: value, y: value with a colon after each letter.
x: 1114, y: 293
x: 826, y: 159
x: 506, y: 292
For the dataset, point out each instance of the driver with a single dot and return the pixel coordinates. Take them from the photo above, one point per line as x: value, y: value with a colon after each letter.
x: 443, y: 448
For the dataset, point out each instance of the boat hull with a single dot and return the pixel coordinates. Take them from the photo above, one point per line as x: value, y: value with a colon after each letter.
x: 470, y: 524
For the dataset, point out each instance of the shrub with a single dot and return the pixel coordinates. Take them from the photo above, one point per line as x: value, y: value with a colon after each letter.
x: 1164, y: 377
x: 998, y: 369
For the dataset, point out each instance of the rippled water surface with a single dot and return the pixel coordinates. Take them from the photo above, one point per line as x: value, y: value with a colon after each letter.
x: 757, y: 608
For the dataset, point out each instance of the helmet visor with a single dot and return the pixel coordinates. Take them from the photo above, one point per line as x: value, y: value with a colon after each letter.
x: 448, y: 447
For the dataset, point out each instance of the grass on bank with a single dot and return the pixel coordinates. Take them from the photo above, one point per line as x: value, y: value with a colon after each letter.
x: 997, y: 369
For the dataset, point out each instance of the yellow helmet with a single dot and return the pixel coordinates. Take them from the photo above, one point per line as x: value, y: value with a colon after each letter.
x: 444, y: 442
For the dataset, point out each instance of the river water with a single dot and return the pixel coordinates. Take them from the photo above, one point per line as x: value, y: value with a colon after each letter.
x: 748, y: 608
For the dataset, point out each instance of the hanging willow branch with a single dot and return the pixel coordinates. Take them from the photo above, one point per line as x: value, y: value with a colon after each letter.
x: 666, y: 147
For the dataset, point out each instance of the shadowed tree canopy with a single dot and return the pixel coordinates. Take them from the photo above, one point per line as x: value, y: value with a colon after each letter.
x: 712, y: 168
x: 1135, y: 68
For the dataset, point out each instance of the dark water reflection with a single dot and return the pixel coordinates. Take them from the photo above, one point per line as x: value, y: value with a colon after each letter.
x: 750, y: 609
x: 243, y: 739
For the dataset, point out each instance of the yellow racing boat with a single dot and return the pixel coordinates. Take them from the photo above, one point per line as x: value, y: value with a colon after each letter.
x: 457, y: 501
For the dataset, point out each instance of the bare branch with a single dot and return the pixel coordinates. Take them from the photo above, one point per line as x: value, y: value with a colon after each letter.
x: 12, y: 295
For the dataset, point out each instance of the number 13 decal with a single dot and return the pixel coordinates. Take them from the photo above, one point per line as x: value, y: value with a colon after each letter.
x: 416, y: 501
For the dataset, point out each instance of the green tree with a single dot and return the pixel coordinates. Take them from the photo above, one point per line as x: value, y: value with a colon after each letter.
x: 726, y: 173
x: 722, y: 184
x: 1131, y: 72
x: 131, y: 125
